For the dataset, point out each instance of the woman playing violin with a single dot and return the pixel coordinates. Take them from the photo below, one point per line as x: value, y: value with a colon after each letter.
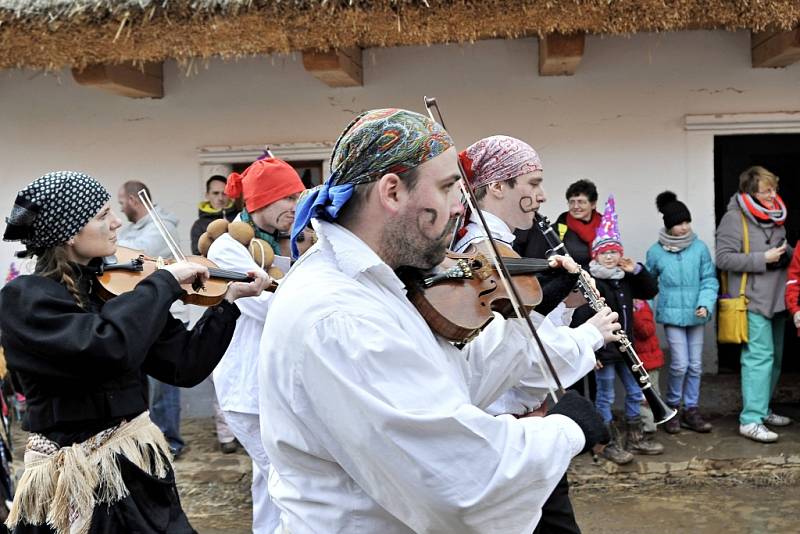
x: 94, y: 461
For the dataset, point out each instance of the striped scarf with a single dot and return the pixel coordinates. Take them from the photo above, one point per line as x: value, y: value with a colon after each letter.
x: 774, y: 215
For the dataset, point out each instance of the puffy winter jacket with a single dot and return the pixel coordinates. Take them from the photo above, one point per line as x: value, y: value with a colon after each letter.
x: 686, y: 281
x: 793, y: 284
x: 645, y: 340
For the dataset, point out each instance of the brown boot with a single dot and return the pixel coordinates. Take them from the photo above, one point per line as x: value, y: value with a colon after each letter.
x: 639, y: 443
x: 691, y: 419
x: 673, y: 426
x: 614, y: 452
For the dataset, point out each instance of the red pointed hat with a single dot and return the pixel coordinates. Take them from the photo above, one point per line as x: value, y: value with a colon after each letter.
x: 265, y: 181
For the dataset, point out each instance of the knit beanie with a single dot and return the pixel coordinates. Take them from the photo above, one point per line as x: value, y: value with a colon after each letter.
x: 674, y: 211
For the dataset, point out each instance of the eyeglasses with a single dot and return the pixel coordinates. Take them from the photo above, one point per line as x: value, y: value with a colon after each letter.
x: 767, y: 192
x: 578, y: 202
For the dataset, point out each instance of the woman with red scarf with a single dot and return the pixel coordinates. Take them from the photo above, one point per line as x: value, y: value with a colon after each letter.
x: 759, y: 209
x: 578, y: 226
x: 575, y: 227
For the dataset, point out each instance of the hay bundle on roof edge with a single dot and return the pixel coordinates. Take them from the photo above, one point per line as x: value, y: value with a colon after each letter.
x: 55, y: 33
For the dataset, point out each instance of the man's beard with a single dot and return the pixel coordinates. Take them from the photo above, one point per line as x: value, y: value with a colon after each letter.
x: 404, y: 244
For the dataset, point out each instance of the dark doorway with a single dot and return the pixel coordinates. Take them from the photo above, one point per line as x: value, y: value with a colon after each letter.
x: 780, y: 153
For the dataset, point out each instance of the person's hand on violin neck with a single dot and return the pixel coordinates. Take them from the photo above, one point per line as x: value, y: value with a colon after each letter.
x: 607, y: 322
x: 564, y: 262
x: 188, y: 272
x: 236, y: 290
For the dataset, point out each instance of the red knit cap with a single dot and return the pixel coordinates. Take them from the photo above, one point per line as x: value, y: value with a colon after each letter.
x: 264, y: 182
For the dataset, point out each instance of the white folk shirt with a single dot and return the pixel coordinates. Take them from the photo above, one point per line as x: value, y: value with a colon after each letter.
x: 375, y: 424
x: 576, y: 344
x: 235, y: 377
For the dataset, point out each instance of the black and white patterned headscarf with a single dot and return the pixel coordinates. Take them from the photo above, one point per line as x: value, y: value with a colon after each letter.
x: 54, y: 208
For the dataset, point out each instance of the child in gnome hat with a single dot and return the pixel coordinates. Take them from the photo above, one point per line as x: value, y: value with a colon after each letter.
x: 619, y: 280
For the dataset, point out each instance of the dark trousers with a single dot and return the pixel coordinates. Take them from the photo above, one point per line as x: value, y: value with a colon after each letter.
x: 558, y: 517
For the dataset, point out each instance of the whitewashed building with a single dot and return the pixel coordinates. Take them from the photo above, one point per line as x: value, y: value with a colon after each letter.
x: 645, y: 96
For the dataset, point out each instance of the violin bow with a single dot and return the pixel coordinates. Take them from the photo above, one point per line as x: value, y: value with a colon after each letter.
x: 162, y: 229
x: 472, y: 202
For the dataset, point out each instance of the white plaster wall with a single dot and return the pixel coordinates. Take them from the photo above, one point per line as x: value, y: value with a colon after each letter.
x: 618, y: 121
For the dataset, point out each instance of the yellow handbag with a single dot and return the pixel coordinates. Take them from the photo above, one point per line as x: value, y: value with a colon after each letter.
x: 732, y: 311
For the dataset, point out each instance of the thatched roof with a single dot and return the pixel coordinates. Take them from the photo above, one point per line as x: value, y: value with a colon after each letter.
x: 55, y: 33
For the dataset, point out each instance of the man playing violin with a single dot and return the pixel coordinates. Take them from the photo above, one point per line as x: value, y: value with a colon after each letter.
x: 373, y: 423
x: 94, y: 461
x: 506, y: 175
x: 269, y: 188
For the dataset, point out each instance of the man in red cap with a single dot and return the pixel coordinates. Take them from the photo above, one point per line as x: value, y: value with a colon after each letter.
x: 270, y: 189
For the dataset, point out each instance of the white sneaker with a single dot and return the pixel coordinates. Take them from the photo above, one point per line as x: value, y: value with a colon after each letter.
x: 758, y: 432
x: 774, y: 419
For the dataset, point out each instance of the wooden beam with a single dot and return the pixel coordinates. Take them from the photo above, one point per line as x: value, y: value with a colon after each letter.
x: 775, y: 48
x: 337, y: 68
x: 560, y: 55
x: 125, y: 79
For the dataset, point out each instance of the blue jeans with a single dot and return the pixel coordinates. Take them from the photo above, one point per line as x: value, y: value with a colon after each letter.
x: 605, y: 391
x: 165, y: 412
x: 686, y: 364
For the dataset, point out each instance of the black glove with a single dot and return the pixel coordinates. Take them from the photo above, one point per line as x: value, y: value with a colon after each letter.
x: 582, y: 411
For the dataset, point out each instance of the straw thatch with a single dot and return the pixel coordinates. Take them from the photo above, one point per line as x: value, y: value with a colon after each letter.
x: 54, y: 33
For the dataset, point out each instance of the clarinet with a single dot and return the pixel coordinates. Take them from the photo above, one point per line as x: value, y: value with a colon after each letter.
x: 661, y: 411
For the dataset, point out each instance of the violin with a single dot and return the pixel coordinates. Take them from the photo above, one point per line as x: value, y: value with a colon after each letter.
x: 458, y: 297
x: 121, y: 272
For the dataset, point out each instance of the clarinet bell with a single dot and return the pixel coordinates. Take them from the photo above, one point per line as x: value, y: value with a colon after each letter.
x: 661, y: 411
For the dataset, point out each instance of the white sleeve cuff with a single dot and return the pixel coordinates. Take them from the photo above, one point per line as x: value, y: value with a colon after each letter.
x: 572, y: 431
x: 592, y: 334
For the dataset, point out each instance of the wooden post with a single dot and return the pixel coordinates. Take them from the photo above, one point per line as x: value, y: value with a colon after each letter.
x: 125, y: 79
x: 775, y: 48
x: 560, y: 55
x: 337, y: 68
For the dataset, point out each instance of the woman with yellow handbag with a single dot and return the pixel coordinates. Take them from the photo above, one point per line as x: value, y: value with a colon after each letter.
x: 752, y: 249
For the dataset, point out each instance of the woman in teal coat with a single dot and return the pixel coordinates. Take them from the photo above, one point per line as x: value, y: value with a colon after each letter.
x: 687, y: 292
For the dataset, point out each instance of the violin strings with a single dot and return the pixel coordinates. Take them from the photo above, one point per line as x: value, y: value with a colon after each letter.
x: 224, y: 273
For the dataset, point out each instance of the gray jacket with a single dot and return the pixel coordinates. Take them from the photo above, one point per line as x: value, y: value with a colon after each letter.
x: 764, y: 288
x: 144, y: 235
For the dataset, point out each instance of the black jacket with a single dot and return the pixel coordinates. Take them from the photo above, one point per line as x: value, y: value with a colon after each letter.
x: 532, y: 244
x: 204, y: 219
x: 84, y: 370
x: 619, y: 295
x: 578, y: 249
